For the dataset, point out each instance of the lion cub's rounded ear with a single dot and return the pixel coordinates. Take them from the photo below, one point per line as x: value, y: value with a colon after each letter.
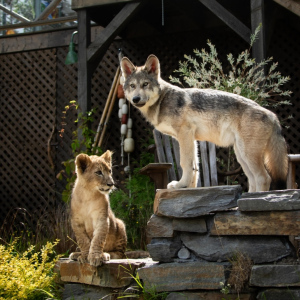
x: 107, y: 156
x: 127, y: 67
x: 82, y: 162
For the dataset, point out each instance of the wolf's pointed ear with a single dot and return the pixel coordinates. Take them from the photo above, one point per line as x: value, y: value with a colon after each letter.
x: 152, y: 65
x: 82, y: 162
x: 107, y: 157
x: 127, y: 67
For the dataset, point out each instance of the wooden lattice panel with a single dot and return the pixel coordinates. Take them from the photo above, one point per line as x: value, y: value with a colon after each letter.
x: 27, y: 116
x: 36, y: 86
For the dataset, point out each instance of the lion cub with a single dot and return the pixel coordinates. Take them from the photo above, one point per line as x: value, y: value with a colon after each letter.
x: 100, y: 235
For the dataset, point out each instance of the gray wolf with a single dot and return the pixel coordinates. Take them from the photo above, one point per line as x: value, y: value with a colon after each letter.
x: 209, y: 115
x: 99, y: 234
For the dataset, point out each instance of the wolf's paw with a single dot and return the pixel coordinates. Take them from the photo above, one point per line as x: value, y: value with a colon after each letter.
x: 175, y: 185
x: 95, y: 259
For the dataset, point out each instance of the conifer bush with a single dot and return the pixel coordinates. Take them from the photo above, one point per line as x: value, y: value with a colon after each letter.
x: 28, y: 275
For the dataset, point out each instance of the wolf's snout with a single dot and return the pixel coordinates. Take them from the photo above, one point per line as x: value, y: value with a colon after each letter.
x: 136, y: 99
x: 109, y: 184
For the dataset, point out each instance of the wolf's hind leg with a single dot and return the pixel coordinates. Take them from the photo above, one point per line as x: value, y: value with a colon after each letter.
x: 240, y: 158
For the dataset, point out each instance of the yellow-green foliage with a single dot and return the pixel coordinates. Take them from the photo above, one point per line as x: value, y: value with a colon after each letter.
x: 28, y: 275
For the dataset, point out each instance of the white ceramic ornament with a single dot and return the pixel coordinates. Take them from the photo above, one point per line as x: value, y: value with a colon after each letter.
x: 123, y: 129
x: 129, y: 145
x: 122, y: 101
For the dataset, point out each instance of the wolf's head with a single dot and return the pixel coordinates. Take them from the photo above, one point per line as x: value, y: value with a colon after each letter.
x: 141, y: 85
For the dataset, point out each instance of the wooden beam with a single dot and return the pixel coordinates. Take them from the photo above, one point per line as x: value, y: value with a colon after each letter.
x: 15, y: 15
x: 39, y: 23
x: 257, y: 18
x: 291, y: 5
x: 84, y: 69
x: 77, y: 4
x: 98, y: 48
x: 41, y: 40
x: 228, y: 18
x: 48, y: 10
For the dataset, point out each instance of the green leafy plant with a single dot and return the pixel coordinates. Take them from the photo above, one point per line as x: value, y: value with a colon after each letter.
x: 84, y: 145
x: 134, y: 204
x: 28, y: 275
x: 140, y: 291
x: 245, y: 76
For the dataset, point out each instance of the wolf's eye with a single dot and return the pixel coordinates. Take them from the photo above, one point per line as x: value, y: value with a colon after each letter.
x: 132, y: 86
x: 145, y: 84
x: 99, y: 173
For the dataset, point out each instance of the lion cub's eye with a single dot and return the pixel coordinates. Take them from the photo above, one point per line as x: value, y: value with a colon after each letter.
x: 99, y: 173
x: 132, y: 86
x: 145, y: 84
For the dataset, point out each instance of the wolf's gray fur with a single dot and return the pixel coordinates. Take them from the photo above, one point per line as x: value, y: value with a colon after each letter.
x: 209, y: 115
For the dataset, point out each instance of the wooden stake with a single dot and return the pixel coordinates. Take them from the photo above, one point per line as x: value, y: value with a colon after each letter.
x: 109, y: 112
x: 108, y: 100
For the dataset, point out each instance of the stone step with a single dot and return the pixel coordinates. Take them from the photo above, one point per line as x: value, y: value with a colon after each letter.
x: 275, y: 276
x: 113, y: 274
x: 183, y: 276
x: 165, y: 227
x: 257, y: 223
x: 270, y: 201
x: 190, y: 203
x: 279, y: 294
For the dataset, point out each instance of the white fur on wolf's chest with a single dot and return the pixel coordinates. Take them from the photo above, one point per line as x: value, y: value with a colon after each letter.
x: 166, y: 129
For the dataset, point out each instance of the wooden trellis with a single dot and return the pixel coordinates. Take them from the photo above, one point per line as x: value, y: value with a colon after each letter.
x: 35, y: 87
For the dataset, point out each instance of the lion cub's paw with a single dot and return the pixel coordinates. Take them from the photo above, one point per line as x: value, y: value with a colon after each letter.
x: 79, y: 257
x: 175, y: 185
x: 96, y: 259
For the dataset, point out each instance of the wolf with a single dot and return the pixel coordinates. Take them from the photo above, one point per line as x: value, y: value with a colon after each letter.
x: 226, y: 119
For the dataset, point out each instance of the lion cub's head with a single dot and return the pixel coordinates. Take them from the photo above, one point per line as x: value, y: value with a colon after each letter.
x: 95, y: 172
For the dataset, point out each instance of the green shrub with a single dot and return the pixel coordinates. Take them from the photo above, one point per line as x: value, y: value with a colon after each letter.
x: 28, y: 275
x: 78, y: 146
x: 244, y: 77
x: 134, y: 205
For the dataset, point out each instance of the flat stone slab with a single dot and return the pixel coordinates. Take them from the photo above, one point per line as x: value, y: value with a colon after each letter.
x: 113, y: 274
x: 275, y: 276
x: 189, y: 203
x: 78, y: 291
x: 160, y: 227
x: 165, y: 227
x: 279, y: 294
x: 270, y: 201
x: 164, y: 249
x: 257, y: 223
x: 211, y: 248
x: 207, y: 296
x: 183, y: 276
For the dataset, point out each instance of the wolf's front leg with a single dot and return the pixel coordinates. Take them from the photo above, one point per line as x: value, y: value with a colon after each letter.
x: 187, y: 155
x: 96, y: 255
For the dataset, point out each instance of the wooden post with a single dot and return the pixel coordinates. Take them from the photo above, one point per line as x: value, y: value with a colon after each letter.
x: 84, y: 70
x: 257, y: 18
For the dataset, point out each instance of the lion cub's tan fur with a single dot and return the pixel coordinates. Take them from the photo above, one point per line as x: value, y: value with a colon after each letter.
x: 100, y: 235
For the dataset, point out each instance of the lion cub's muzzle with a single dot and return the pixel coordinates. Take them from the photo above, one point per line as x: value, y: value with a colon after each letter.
x: 107, y: 188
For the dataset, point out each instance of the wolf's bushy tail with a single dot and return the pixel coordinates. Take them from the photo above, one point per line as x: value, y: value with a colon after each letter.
x: 276, y: 159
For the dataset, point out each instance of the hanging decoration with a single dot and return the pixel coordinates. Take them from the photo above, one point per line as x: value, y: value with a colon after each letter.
x: 127, y: 142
